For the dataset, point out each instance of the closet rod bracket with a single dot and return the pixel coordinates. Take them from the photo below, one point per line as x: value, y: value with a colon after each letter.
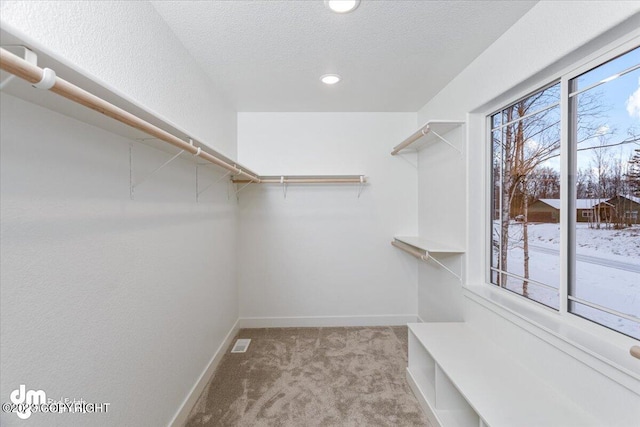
x: 48, y: 79
x: 29, y: 56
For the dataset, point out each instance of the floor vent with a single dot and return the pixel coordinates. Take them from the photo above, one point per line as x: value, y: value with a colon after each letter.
x: 241, y: 346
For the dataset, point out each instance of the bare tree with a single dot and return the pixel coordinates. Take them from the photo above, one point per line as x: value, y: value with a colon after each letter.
x: 543, y: 183
x: 600, y: 166
x: 531, y: 137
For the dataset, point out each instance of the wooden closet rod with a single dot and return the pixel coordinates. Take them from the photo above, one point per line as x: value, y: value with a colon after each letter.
x: 410, y: 251
x: 33, y: 74
x: 305, y: 180
x: 410, y: 140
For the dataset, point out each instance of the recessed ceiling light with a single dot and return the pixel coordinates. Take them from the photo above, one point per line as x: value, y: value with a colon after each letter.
x: 330, y: 79
x: 342, y: 6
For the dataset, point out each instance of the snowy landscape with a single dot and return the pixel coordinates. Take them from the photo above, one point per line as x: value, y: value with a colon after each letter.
x: 607, y: 269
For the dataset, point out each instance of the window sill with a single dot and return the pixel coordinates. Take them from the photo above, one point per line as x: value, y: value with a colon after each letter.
x: 604, y: 351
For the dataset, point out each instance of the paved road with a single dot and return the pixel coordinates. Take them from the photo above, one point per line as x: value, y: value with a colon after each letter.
x: 634, y: 267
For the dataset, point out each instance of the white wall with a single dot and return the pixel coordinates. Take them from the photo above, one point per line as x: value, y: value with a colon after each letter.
x: 128, y: 46
x: 105, y: 298
x: 322, y: 253
x: 442, y: 218
x: 546, y: 40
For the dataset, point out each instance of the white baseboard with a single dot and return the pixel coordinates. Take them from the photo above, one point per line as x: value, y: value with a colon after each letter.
x: 183, y: 412
x: 420, y: 319
x: 320, y: 321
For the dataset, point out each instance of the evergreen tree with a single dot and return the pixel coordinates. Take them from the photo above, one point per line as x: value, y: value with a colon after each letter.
x: 633, y: 174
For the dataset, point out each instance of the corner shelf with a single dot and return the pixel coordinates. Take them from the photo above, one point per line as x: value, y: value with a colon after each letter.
x: 431, y: 131
x: 422, y: 249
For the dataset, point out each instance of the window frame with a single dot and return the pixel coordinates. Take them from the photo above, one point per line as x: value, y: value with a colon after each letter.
x: 567, y: 222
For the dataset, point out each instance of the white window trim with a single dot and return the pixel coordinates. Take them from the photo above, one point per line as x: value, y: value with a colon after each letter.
x: 601, y: 348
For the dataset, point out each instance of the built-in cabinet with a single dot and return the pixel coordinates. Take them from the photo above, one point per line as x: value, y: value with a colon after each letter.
x: 464, y: 380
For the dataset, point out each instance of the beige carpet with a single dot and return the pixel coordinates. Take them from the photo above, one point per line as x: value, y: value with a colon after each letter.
x: 312, y: 377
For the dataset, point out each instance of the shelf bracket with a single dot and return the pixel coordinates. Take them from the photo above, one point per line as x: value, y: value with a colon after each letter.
x: 360, y: 185
x: 424, y: 257
x: 284, y: 186
x: 445, y: 140
x: 199, y: 192
x: 243, y: 187
x: 132, y: 184
x: 29, y: 56
x: 428, y: 256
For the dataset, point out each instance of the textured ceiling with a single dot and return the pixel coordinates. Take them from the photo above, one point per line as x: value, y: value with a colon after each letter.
x: 392, y: 55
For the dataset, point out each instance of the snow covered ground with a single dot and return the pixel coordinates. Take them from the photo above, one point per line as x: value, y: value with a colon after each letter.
x: 607, y: 270
x: 622, y: 245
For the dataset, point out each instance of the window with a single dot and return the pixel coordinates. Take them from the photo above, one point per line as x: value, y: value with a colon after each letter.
x: 602, y: 110
x: 526, y: 145
x: 631, y: 214
x: 604, y: 117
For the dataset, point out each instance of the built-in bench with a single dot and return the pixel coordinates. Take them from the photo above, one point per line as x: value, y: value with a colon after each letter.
x: 463, y: 379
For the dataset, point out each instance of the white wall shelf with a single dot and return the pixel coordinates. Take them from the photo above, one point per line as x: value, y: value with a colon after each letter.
x: 463, y: 379
x: 428, y: 245
x: 430, y: 132
x: 422, y: 249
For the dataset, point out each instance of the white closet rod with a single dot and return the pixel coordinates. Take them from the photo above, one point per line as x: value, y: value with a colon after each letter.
x: 35, y: 75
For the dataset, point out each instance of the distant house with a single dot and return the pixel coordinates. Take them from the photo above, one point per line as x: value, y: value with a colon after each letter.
x: 544, y: 210
x: 606, y: 212
x: 548, y: 210
x: 627, y: 208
